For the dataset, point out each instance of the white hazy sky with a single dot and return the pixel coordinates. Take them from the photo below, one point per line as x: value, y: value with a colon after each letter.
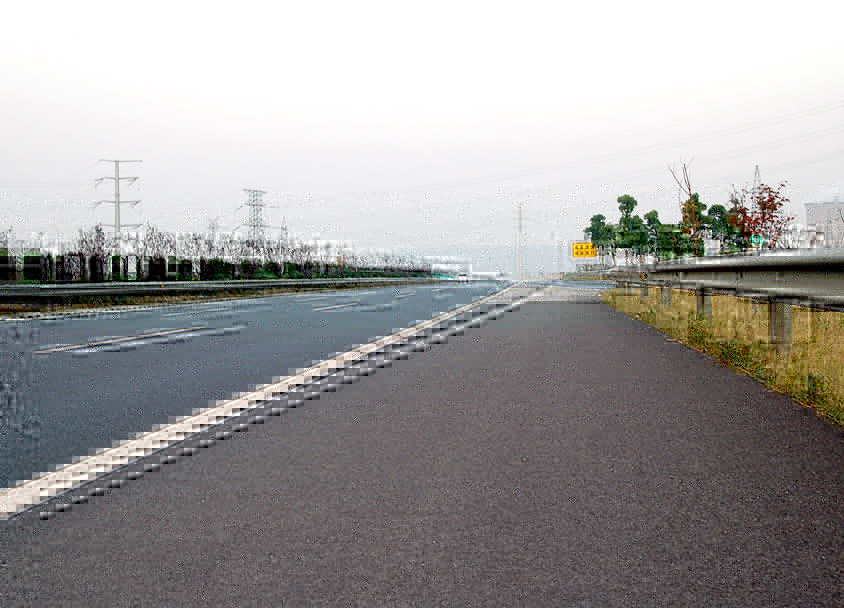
x: 414, y: 125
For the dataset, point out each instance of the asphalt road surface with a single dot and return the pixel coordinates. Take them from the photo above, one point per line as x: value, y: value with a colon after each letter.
x: 62, y: 397
x: 561, y: 455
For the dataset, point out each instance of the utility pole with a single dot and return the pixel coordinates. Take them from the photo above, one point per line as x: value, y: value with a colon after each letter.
x: 519, y: 237
x: 559, y: 246
x: 117, y: 202
x: 757, y: 189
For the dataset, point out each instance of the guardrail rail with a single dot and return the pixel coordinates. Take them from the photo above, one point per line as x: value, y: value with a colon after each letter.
x: 807, y: 278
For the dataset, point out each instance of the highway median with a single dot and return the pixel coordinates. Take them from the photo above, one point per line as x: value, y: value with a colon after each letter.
x: 26, y: 299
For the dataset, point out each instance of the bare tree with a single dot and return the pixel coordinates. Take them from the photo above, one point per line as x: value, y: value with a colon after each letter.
x: 170, y: 244
x: 4, y: 238
x: 155, y: 242
x: 226, y: 247
x: 690, y: 208
x: 94, y: 247
x: 295, y: 252
x: 193, y: 245
x: 309, y: 253
x: 92, y: 241
x: 839, y: 237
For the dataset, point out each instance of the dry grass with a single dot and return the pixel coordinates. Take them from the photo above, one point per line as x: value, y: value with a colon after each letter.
x: 737, y: 335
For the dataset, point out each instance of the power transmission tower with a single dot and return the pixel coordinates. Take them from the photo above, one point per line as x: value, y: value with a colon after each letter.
x: 757, y: 183
x: 283, y: 234
x: 256, y: 214
x: 214, y: 226
x: 117, y: 202
x: 257, y: 225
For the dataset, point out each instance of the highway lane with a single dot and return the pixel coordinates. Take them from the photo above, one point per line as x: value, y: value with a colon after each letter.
x: 539, y: 460
x: 77, y: 384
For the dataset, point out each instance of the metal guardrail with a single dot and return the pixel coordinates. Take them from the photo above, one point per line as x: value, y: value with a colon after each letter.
x: 47, y: 292
x: 807, y: 278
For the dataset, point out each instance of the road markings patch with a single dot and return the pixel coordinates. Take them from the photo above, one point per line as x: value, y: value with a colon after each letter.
x: 337, y: 306
x: 115, y: 340
x: 25, y: 495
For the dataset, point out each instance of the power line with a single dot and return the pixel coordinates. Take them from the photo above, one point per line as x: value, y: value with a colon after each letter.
x: 46, y: 162
x: 631, y: 152
x: 804, y: 162
x: 724, y: 156
x: 57, y: 184
x: 816, y: 89
x: 662, y: 125
x: 68, y: 180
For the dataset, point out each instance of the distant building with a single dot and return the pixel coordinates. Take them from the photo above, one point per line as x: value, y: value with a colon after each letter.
x: 449, y: 265
x: 827, y: 218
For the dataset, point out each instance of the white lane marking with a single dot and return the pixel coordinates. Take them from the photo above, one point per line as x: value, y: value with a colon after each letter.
x: 378, y: 307
x: 557, y: 293
x: 203, y: 310
x: 166, y: 339
x: 114, y: 340
x: 67, y: 477
x: 336, y: 306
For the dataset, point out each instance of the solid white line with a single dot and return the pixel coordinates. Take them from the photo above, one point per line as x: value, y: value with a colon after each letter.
x: 116, y: 340
x: 336, y: 307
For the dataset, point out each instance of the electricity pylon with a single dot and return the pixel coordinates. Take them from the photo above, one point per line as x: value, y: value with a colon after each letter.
x: 117, y: 202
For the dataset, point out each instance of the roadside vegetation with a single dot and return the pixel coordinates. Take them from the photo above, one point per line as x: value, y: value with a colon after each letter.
x: 736, y: 335
x: 164, y: 257
x: 752, y: 218
x: 157, y: 255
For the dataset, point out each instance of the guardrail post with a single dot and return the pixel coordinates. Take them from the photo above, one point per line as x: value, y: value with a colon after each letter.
x: 810, y: 319
x: 704, y: 303
x: 779, y: 325
x: 666, y: 296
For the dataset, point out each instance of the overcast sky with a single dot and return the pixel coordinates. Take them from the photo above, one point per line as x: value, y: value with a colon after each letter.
x: 413, y: 125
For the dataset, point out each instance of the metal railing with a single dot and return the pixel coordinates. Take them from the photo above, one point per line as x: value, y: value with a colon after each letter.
x: 811, y: 278
x: 48, y: 293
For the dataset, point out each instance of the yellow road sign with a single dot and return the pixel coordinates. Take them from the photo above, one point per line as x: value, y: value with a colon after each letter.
x: 584, y: 250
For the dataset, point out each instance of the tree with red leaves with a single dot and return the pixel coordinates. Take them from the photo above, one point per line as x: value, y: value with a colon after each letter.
x: 758, y: 210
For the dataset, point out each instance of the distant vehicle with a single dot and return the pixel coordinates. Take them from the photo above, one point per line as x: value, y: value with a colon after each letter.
x: 463, y: 277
